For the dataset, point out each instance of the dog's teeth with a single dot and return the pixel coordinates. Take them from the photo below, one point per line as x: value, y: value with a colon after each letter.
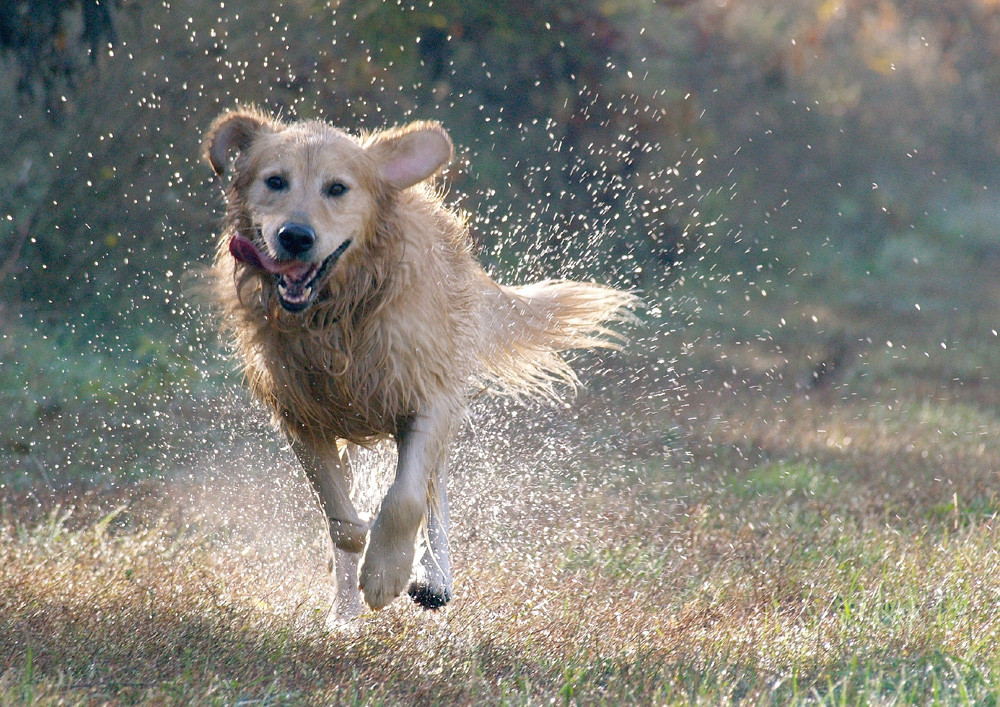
x: 298, y: 298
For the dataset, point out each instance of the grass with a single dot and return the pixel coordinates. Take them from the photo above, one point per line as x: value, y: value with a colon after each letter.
x: 744, y: 534
x: 76, y: 408
x: 778, y: 563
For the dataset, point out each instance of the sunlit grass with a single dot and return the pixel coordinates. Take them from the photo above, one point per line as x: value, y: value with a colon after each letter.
x: 743, y: 537
x: 795, y: 568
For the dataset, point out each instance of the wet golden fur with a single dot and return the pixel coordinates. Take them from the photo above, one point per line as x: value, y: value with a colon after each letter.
x: 379, y: 337
x: 403, y: 327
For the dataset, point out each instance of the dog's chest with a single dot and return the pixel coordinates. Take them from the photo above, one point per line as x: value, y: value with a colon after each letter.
x: 330, y: 389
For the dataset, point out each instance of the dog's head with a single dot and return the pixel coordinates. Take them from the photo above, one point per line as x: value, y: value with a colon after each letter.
x: 306, y: 195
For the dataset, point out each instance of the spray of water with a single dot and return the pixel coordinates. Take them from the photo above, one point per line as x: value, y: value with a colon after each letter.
x: 613, y: 189
x: 622, y: 181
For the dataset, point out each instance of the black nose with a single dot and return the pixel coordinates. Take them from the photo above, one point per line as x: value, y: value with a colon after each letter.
x: 295, y: 239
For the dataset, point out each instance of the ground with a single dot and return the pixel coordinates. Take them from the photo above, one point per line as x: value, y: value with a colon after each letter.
x: 798, y: 506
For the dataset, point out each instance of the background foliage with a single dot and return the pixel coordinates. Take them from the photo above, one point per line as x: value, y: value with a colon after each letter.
x: 846, y: 146
x: 783, y: 491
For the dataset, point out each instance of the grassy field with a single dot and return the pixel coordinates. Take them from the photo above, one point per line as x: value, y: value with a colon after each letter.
x: 802, y: 511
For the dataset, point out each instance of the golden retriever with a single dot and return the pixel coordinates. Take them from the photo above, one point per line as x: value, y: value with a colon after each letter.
x: 359, y: 313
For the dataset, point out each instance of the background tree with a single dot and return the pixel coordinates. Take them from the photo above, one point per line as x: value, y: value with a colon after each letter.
x: 48, y: 39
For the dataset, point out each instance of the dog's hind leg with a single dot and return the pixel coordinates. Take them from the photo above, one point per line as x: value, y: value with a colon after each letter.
x: 329, y: 474
x: 432, y: 586
x: 422, y: 446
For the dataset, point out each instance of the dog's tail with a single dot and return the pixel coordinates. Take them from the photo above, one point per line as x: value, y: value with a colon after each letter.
x: 529, y: 325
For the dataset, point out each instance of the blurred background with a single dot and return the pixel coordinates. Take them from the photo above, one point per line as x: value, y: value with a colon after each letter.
x: 804, y: 192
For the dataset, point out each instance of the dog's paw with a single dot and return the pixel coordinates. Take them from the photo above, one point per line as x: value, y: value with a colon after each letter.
x: 429, y: 596
x: 349, y: 536
x: 344, y: 613
x: 346, y: 626
x: 385, y: 572
x: 431, y: 587
x: 381, y: 582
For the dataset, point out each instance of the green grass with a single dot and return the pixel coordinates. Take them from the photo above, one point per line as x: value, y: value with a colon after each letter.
x: 916, y: 624
x: 738, y: 536
x: 79, y: 412
x: 820, y: 579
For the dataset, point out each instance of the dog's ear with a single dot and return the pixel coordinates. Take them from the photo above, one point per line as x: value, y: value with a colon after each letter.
x: 233, y: 130
x: 411, y: 154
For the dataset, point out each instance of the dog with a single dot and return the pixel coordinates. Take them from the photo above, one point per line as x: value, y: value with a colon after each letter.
x: 357, y: 309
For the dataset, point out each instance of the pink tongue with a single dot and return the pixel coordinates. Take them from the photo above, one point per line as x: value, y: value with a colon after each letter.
x: 244, y: 250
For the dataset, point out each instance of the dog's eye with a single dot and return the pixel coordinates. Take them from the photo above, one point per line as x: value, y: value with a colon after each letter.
x: 276, y: 182
x: 336, y: 189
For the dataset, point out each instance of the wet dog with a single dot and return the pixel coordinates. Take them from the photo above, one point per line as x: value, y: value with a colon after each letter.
x: 359, y: 313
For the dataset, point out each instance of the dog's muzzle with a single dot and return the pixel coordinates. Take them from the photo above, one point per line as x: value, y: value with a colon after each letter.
x: 297, y: 282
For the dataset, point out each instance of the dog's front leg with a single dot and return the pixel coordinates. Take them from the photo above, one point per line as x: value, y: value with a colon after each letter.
x: 388, y: 562
x: 329, y: 474
x: 432, y: 586
x: 347, y: 602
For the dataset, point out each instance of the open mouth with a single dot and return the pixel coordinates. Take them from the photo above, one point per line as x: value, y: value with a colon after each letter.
x: 297, y: 281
